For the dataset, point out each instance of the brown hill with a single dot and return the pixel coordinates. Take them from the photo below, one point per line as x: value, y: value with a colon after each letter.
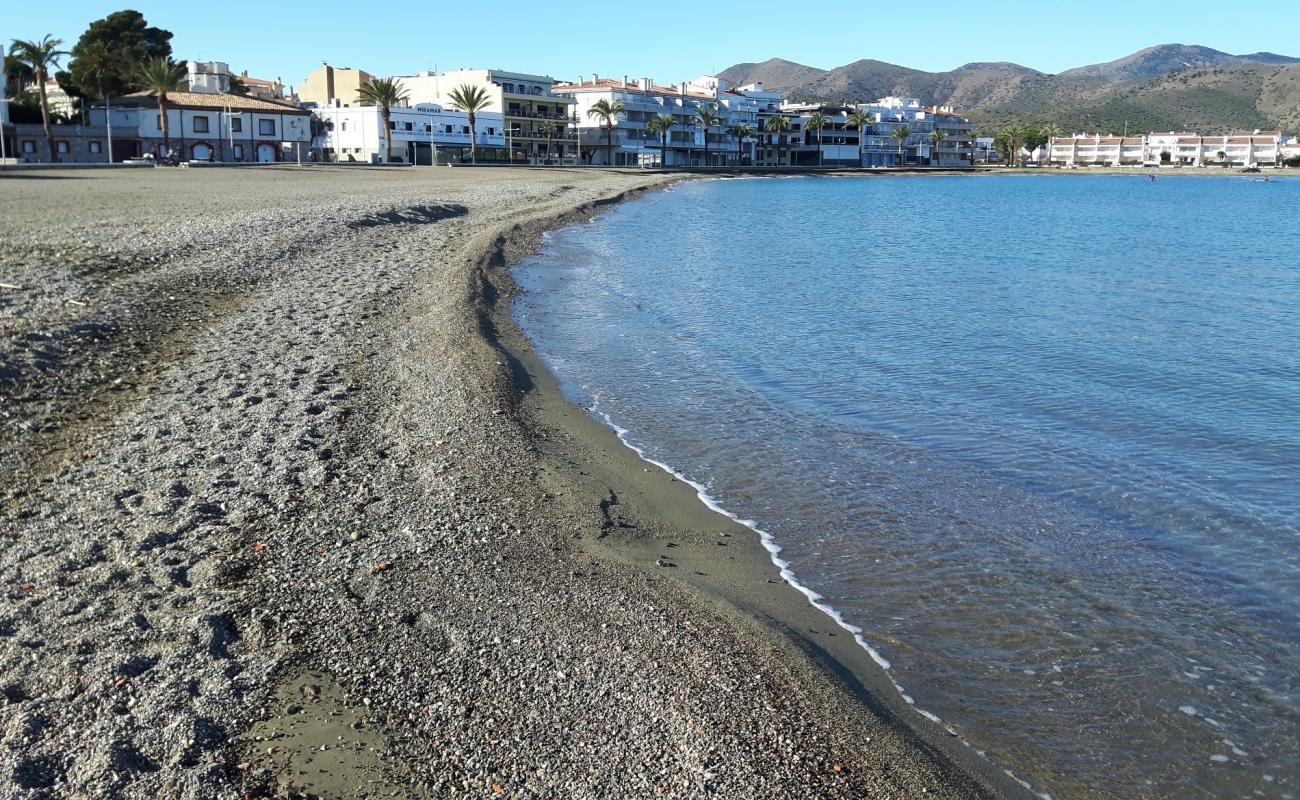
x: 1245, y: 92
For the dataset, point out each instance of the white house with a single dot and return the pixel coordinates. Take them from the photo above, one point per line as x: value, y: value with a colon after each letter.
x: 207, y: 127
x: 356, y: 133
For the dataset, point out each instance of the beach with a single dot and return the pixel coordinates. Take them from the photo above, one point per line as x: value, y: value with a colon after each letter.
x: 291, y: 508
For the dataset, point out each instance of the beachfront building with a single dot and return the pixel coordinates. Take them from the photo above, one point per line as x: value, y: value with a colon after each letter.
x: 327, y: 83
x: 633, y: 143
x: 539, y: 125
x: 356, y: 134
x: 204, y: 126
x: 1237, y: 149
x: 840, y: 143
x: 264, y: 89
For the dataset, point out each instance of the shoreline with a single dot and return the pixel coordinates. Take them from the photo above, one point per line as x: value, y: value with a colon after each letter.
x: 677, y: 523
x: 300, y: 511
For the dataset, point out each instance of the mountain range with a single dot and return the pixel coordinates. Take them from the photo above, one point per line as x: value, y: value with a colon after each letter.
x: 1166, y: 87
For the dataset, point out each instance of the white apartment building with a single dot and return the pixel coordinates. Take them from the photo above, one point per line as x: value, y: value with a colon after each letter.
x: 632, y: 144
x: 1237, y: 149
x: 842, y: 144
x: 526, y: 102
x: 419, y: 134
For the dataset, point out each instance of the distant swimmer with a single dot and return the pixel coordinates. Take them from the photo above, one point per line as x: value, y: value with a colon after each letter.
x: 1152, y: 178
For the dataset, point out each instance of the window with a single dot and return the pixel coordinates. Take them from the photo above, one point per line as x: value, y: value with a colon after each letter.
x: 62, y: 148
x: 464, y: 129
x: 236, y: 125
x: 96, y: 148
x: 344, y: 125
x: 159, y: 121
x: 392, y: 124
x: 239, y: 151
x: 448, y: 127
x: 266, y: 127
x: 408, y: 126
x: 200, y: 124
x: 29, y: 146
x: 428, y: 128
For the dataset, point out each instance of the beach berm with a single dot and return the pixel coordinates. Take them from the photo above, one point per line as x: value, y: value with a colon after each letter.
x: 283, y: 516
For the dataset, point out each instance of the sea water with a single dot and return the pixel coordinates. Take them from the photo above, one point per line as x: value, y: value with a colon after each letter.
x: 1037, y: 436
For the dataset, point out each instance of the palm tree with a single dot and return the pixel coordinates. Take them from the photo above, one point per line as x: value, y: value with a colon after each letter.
x: 779, y: 126
x: 98, y: 64
x: 741, y: 132
x: 901, y: 132
x: 41, y: 57
x: 708, y: 118
x: 385, y: 93
x: 548, y: 127
x: 160, y: 75
x: 860, y: 119
x: 661, y: 124
x: 936, y: 139
x: 817, y: 122
x: 607, y: 111
x: 470, y: 100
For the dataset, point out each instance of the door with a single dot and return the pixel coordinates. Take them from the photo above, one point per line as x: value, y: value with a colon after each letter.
x: 265, y: 153
x: 201, y: 152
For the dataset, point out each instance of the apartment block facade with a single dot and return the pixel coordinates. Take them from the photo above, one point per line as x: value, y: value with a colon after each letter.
x: 1237, y: 149
x: 539, y: 124
x: 632, y: 143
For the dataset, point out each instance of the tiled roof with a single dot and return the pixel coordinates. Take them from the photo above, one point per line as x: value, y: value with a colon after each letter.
x: 206, y: 100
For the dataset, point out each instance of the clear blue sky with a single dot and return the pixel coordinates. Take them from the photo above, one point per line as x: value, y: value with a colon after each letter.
x: 667, y: 39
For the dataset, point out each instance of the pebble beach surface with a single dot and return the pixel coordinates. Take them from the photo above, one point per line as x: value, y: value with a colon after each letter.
x: 275, y: 522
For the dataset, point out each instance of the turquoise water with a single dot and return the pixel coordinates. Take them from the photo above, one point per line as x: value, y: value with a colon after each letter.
x: 1037, y: 436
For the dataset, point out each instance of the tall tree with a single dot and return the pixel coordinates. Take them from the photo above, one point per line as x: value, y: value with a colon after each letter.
x: 161, y: 76
x: 40, y: 56
x: 470, y: 99
x: 384, y: 93
x: 129, y: 41
x: 937, y: 137
x: 548, y: 127
x: 817, y: 122
x: 98, y: 64
x: 708, y: 119
x: 859, y: 119
x: 662, y: 124
x: 608, y: 112
x: 901, y: 132
x: 741, y: 133
x: 778, y: 126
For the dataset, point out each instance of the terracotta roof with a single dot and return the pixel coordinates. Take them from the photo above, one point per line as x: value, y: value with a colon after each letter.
x: 206, y: 100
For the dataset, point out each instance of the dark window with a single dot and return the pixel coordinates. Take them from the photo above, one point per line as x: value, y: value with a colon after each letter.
x: 200, y: 124
x: 464, y: 129
x: 408, y: 126
x: 448, y: 128
x: 236, y: 125
x: 266, y: 127
x: 392, y: 124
